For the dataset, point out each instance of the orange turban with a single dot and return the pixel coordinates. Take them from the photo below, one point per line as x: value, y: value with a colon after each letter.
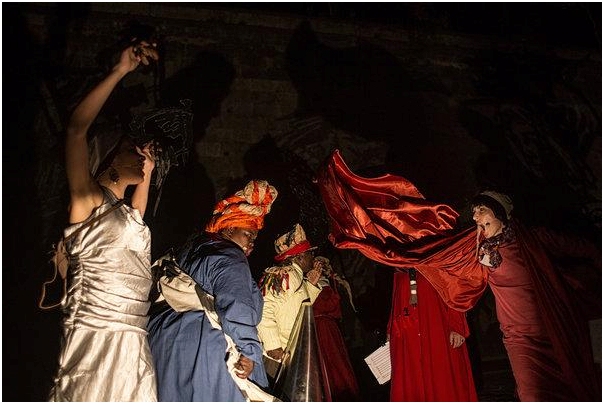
x: 244, y: 209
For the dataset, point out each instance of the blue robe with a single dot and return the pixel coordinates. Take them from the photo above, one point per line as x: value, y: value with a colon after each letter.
x: 189, y: 355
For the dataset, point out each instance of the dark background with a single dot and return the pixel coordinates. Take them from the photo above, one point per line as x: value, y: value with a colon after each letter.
x: 454, y: 96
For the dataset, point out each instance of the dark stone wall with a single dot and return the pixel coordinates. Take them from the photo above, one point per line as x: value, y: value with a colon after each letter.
x: 273, y: 93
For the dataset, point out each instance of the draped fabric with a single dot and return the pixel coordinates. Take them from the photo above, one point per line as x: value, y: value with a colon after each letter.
x: 565, y: 324
x: 189, y: 353
x: 388, y: 220
x: 105, y: 355
x: 425, y: 367
x: 339, y: 373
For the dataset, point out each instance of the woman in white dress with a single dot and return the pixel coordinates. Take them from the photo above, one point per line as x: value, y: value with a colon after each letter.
x: 105, y: 355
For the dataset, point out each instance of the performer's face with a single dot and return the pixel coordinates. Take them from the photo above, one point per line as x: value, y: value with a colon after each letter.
x: 306, y: 260
x: 486, y: 221
x: 129, y: 162
x: 243, y: 237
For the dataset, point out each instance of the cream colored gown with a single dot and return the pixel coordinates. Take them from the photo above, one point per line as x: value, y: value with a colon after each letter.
x: 105, y: 355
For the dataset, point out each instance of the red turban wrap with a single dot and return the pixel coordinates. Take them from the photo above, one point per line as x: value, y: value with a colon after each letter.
x: 245, y: 209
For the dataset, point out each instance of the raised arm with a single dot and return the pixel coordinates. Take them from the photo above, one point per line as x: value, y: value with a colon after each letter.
x: 84, y: 192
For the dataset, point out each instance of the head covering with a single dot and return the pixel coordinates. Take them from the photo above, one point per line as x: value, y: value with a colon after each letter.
x: 246, y: 208
x: 292, y: 243
x: 499, y: 203
x: 329, y: 275
x: 171, y: 128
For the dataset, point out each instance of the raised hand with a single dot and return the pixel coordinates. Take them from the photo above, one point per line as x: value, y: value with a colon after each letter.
x: 151, y: 153
x: 140, y: 52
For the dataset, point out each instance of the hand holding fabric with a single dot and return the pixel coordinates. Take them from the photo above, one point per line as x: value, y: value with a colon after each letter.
x: 276, y: 354
x: 244, y: 367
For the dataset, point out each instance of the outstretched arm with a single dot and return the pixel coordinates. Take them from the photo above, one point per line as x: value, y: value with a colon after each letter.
x: 84, y: 192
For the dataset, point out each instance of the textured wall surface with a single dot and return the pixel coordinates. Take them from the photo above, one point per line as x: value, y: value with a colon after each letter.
x: 273, y: 93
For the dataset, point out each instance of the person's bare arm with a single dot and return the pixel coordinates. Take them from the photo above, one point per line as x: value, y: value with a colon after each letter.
x: 84, y: 192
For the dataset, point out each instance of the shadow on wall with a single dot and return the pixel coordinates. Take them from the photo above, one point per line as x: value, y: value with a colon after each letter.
x: 188, y: 196
x: 298, y: 200
x: 536, y: 118
x: 361, y: 89
x: 366, y: 91
x: 523, y: 124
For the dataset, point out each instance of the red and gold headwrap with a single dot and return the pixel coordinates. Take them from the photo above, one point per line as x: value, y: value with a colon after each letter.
x: 246, y: 208
x: 292, y: 243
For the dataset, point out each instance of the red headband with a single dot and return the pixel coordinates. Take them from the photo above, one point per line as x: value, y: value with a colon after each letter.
x: 295, y: 250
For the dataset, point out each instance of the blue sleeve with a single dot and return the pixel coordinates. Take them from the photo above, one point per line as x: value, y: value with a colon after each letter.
x: 225, y: 274
x: 235, y: 304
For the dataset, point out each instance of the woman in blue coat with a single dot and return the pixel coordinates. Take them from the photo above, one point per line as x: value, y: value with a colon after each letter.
x: 188, y: 352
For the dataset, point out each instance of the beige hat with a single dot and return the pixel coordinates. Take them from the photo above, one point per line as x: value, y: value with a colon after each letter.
x: 292, y: 243
x: 502, y: 199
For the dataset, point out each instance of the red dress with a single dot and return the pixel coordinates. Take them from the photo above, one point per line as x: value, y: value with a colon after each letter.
x: 424, y: 365
x: 334, y: 356
x: 537, y: 367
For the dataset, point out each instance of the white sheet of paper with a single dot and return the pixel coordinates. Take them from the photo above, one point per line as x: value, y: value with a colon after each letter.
x: 379, y: 363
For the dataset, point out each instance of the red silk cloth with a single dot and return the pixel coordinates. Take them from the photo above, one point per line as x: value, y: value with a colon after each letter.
x: 389, y: 221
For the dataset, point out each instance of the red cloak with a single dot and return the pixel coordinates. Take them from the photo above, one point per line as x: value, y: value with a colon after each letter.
x: 425, y: 367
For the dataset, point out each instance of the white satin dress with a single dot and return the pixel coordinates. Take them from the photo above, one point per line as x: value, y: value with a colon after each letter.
x: 105, y: 354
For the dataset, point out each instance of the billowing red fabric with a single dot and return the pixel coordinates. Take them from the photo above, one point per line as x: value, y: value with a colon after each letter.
x: 424, y: 365
x: 339, y: 374
x: 388, y: 220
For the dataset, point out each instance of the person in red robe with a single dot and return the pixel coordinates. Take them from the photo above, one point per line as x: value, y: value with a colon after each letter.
x: 340, y: 383
x: 428, y: 354
x: 544, y: 327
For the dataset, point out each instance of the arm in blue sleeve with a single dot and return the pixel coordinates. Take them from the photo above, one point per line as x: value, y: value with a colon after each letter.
x: 234, y: 304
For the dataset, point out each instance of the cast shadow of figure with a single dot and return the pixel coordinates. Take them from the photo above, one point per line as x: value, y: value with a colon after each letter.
x: 361, y: 89
x: 188, y: 194
x: 28, y: 360
x: 367, y: 91
x: 537, y: 121
x: 298, y: 200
